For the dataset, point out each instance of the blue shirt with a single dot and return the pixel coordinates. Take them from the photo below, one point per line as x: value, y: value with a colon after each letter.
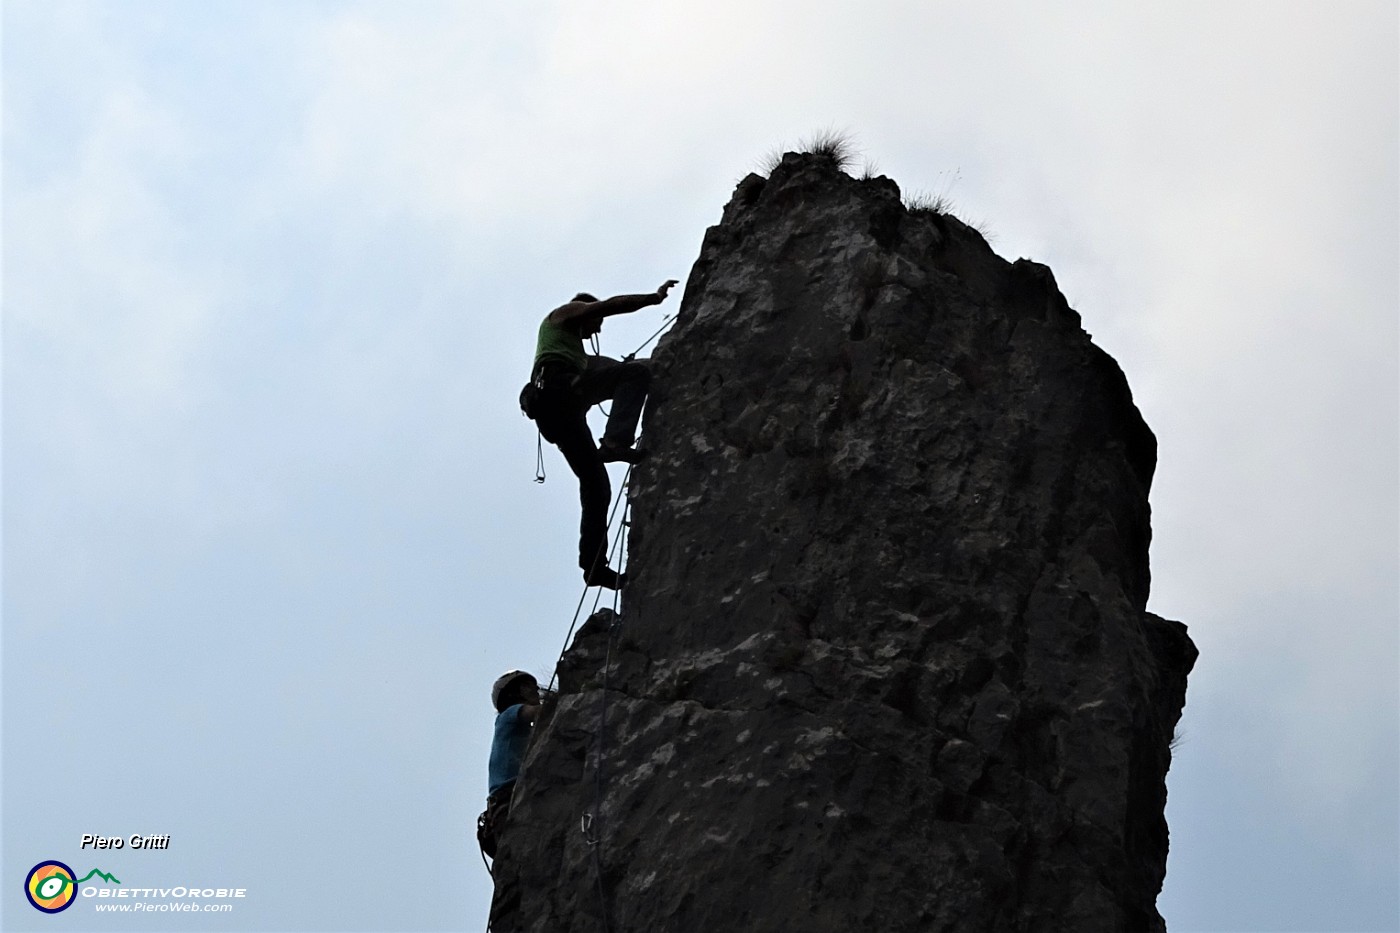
x: 507, y: 748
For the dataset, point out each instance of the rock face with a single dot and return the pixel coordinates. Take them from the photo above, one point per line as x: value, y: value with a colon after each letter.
x: 884, y: 662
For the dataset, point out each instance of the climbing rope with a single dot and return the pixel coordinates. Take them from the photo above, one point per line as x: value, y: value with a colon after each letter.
x: 591, y: 821
x: 621, y: 496
x: 664, y: 321
x: 489, y: 872
x: 640, y: 347
x: 593, y: 340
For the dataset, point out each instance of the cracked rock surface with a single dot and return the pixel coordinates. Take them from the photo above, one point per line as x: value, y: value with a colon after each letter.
x: 884, y: 661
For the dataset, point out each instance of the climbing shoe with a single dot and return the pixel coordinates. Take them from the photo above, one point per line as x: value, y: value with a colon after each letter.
x: 616, y: 453
x: 605, y: 577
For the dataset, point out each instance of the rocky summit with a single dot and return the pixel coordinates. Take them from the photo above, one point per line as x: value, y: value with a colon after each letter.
x: 883, y: 662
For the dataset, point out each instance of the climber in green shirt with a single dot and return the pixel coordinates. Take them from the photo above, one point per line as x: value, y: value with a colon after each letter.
x: 566, y: 381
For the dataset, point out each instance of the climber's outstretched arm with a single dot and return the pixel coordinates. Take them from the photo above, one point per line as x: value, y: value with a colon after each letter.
x: 618, y: 304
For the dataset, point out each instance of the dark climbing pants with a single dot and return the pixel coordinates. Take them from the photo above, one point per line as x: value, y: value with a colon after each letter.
x: 505, y: 897
x: 563, y: 421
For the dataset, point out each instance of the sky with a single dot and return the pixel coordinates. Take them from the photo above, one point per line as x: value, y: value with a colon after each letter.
x: 272, y: 271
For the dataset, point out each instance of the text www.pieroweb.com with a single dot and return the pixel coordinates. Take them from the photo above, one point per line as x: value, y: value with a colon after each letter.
x: 166, y: 900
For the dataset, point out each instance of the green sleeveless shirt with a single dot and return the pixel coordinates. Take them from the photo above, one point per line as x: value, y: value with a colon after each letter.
x: 557, y: 344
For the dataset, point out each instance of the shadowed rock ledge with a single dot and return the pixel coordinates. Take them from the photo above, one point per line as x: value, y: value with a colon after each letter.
x: 884, y: 662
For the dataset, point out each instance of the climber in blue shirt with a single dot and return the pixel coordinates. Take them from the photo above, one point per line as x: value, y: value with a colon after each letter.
x: 516, y: 696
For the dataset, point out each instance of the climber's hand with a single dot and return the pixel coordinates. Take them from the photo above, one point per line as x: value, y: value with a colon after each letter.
x: 665, y: 287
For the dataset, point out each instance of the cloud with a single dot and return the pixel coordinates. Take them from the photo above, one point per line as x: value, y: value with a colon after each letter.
x: 94, y: 271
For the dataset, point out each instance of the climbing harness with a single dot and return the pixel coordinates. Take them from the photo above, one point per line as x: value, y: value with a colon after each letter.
x: 530, y: 394
x: 486, y: 838
x: 490, y: 823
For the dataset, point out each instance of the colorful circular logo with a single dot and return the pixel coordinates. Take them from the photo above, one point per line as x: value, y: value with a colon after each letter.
x: 51, y: 887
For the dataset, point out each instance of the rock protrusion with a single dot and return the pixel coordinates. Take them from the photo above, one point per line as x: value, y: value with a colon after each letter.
x: 884, y: 661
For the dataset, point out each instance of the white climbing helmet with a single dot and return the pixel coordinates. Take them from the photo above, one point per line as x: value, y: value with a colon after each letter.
x: 505, y: 681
